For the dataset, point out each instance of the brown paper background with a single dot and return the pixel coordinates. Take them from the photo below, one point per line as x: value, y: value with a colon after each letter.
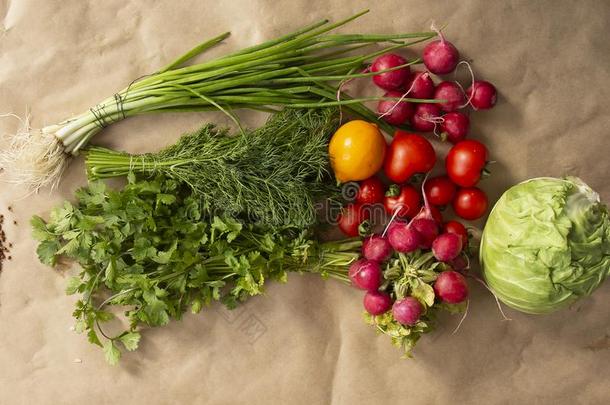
x: 549, y: 59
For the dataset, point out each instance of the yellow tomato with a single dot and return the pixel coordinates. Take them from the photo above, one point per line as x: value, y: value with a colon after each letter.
x: 356, y: 151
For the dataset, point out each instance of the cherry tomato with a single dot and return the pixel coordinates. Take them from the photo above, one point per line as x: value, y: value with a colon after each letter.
x: 465, y: 162
x: 351, y: 217
x: 439, y: 190
x: 370, y: 191
x: 406, y: 199
x: 408, y: 154
x: 457, y: 228
x: 470, y: 203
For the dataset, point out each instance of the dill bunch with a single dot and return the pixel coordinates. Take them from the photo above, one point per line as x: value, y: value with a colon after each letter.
x: 271, y: 176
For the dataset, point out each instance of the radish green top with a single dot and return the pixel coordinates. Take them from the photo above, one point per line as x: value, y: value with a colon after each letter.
x: 546, y: 244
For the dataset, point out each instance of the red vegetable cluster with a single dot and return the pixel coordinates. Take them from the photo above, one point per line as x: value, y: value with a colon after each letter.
x: 414, y: 208
x: 411, y: 154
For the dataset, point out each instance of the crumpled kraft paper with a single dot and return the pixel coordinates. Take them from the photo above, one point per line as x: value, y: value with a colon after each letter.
x: 305, y: 342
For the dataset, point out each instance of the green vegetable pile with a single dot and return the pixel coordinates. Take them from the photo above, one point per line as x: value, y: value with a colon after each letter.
x: 546, y: 244
x: 272, y: 175
x: 150, y: 250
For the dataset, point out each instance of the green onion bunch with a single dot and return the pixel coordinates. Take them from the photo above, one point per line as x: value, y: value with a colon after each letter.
x: 302, y: 69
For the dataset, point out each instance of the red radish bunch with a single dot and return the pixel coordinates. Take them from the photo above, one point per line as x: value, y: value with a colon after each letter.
x: 395, y: 112
x: 427, y: 229
x: 377, y: 303
x: 425, y: 117
x: 441, y: 57
x: 455, y: 126
x: 447, y: 247
x: 482, y: 95
x: 376, y: 248
x: 450, y: 286
x: 407, y: 311
x: 452, y: 94
x: 393, y: 79
x: 420, y: 86
x: 365, y: 274
x: 405, y: 238
x: 457, y: 228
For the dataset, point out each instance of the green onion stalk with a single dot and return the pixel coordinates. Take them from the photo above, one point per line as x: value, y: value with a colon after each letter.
x: 302, y: 69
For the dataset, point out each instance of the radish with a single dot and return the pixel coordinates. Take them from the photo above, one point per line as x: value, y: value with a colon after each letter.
x: 451, y: 92
x: 393, y: 111
x: 455, y: 126
x: 425, y: 117
x: 420, y: 86
x: 376, y: 248
x: 394, y: 79
x: 365, y: 274
x: 427, y: 229
x: 450, y: 286
x: 447, y: 247
x: 460, y: 264
x: 407, y: 311
x: 440, y: 56
x: 396, y: 222
x: 404, y: 239
x: 436, y: 215
x: 377, y: 303
x: 482, y: 95
x: 426, y: 222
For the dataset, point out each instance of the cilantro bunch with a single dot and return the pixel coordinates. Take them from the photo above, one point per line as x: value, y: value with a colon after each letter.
x: 150, y: 251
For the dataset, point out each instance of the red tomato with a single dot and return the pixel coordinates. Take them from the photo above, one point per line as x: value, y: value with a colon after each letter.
x: 406, y: 199
x: 351, y: 217
x: 408, y: 154
x: 470, y: 203
x: 457, y: 228
x: 465, y: 162
x: 370, y: 191
x: 439, y: 190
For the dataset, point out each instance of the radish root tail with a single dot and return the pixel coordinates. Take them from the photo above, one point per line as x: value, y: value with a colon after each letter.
x: 484, y: 284
x: 399, y: 101
x: 463, y: 318
x: 472, y: 82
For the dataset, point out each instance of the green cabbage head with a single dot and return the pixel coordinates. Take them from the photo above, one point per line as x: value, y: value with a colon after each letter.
x: 546, y: 244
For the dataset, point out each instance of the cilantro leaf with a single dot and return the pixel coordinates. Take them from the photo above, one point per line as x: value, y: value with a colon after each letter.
x: 130, y: 340
x: 73, y: 285
x: 111, y: 352
x: 39, y: 229
x: 423, y: 292
x: 47, y: 250
x: 166, y: 199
